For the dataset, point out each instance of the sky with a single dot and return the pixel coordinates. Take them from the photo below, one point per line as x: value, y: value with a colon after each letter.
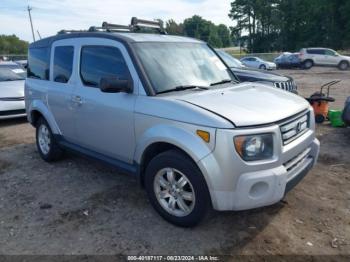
x: 50, y: 16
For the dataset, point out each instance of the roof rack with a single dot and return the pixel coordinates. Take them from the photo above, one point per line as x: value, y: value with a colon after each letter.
x: 135, y: 26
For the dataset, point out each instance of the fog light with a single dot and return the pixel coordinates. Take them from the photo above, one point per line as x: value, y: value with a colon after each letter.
x: 258, y: 189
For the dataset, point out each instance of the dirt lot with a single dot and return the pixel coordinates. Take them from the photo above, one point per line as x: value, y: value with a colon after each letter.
x: 78, y: 206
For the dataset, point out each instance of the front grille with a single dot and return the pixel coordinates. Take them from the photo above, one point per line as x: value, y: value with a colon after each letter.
x: 288, y: 86
x: 12, y: 112
x: 298, y: 160
x: 12, y: 98
x: 294, y: 128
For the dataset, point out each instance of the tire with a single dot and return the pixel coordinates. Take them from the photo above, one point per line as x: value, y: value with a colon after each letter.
x: 184, y: 169
x: 308, y: 64
x: 262, y: 67
x: 47, y: 146
x: 319, y: 119
x: 344, y: 65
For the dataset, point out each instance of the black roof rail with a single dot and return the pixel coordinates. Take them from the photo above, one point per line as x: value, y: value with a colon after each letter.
x: 71, y: 31
x: 135, y: 26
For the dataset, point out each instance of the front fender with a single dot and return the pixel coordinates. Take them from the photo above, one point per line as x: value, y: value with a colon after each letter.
x: 180, y: 136
x: 38, y: 105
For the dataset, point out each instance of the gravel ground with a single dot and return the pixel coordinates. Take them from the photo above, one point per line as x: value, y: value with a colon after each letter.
x: 78, y: 206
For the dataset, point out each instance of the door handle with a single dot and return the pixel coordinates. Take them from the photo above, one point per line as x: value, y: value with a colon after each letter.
x: 77, y: 100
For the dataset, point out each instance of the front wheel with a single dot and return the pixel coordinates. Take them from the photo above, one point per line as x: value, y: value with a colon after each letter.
x: 262, y: 67
x: 45, y: 142
x: 343, y: 65
x: 176, y: 188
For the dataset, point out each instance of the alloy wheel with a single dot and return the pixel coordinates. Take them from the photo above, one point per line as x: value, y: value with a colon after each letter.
x: 174, y: 192
x: 44, y: 139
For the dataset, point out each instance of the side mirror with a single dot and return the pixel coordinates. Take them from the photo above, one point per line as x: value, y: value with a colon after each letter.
x: 113, y: 84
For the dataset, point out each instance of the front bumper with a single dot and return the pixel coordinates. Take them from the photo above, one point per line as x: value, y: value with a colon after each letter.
x: 271, y: 67
x: 12, y: 109
x: 235, y: 185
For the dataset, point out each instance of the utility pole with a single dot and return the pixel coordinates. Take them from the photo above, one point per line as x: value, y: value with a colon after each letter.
x: 31, y: 22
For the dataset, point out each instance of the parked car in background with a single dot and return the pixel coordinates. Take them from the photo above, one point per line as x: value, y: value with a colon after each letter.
x: 310, y: 57
x: 22, y: 63
x: 245, y: 74
x: 288, y: 60
x: 12, y: 78
x: 194, y: 136
x: 258, y: 63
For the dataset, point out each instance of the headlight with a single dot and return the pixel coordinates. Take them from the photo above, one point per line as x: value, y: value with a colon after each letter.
x: 254, y: 147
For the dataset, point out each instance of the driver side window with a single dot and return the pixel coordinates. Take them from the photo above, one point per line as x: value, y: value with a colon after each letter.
x: 330, y: 52
x: 102, y: 61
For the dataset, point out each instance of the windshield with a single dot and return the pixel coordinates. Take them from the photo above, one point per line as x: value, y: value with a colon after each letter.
x: 170, y: 65
x: 230, y: 60
x: 11, y: 73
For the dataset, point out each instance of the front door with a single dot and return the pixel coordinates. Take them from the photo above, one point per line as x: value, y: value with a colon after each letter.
x: 105, y: 121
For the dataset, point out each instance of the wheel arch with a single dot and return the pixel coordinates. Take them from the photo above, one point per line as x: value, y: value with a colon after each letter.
x: 309, y: 59
x: 38, y: 109
x: 163, y: 138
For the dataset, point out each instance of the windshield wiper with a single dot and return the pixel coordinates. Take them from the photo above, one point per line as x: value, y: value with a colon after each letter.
x: 182, y: 88
x: 225, y: 81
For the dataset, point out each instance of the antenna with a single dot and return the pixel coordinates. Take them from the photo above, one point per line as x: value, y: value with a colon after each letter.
x: 38, y: 34
x: 31, y: 22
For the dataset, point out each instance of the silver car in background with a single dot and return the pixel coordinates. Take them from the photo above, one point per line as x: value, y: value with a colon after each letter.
x: 258, y: 63
x: 310, y: 57
x: 12, y: 78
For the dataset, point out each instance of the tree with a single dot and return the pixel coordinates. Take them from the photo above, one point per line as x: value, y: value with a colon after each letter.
x: 197, y: 27
x: 224, y: 34
x: 173, y: 28
x: 292, y: 24
x: 11, y: 44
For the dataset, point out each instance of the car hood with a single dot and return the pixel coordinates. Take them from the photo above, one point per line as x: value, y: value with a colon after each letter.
x: 259, y: 75
x: 248, y: 104
x: 12, y: 88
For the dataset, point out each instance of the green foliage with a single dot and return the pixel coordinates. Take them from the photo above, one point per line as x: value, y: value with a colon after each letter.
x: 197, y: 27
x: 173, y: 28
x: 291, y: 24
x: 11, y: 44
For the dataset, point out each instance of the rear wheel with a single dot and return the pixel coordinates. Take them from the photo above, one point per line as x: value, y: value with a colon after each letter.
x: 45, y: 141
x: 308, y: 64
x: 343, y: 65
x: 176, y: 188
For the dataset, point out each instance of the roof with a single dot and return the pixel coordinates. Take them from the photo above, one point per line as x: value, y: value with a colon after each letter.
x: 124, y: 37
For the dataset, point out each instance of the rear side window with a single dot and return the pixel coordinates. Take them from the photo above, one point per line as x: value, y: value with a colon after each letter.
x: 38, y: 63
x: 316, y: 51
x: 101, y: 61
x: 63, y: 63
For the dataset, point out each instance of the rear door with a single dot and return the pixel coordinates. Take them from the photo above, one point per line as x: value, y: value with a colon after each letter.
x: 61, y: 86
x: 105, y: 121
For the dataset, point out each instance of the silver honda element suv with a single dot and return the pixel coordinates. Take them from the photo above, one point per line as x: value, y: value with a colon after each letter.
x: 169, y: 110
